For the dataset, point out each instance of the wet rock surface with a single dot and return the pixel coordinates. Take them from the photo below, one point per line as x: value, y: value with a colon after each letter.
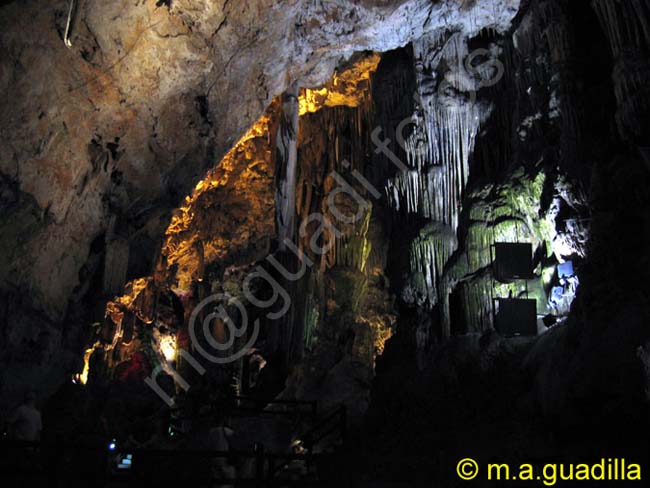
x: 201, y: 107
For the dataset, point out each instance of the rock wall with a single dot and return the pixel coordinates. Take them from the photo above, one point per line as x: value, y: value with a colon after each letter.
x: 118, y: 117
x: 553, y: 165
x: 139, y: 116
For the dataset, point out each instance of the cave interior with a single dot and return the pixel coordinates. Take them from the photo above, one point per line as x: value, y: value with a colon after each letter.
x: 323, y: 243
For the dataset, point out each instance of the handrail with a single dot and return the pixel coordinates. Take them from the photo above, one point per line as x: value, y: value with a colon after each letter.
x: 336, y: 420
x: 281, y: 401
x: 312, y: 410
x: 266, y: 463
x: 238, y: 409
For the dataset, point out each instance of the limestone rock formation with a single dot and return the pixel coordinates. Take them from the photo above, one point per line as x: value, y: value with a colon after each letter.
x: 127, y: 120
x: 337, y: 173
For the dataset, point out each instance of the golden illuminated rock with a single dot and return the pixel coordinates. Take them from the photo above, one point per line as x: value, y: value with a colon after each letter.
x: 230, y: 213
x: 346, y: 88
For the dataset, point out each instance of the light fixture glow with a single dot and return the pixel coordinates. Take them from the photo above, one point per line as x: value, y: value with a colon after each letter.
x: 168, y: 347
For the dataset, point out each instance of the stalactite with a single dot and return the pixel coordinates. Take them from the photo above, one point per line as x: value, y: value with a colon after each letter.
x: 342, y: 152
x: 627, y: 25
x: 438, y: 150
x: 642, y: 13
x: 440, y: 146
x: 476, y: 296
x: 287, y: 167
x: 429, y: 254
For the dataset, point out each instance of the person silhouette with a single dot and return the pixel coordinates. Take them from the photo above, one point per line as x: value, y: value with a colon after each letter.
x: 26, y: 423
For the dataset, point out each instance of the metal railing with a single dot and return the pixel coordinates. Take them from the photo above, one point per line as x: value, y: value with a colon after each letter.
x: 246, y: 404
x: 51, y: 462
x: 55, y: 462
x: 335, y: 421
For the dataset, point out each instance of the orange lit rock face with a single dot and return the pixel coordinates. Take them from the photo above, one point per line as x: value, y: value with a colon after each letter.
x: 163, y: 89
x: 230, y: 215
x: 132, y: 300
x: 122, y: 317
x: 140, y: 329
x: 228, y: 219
x: 355, y: 317
x: 349, y: 87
